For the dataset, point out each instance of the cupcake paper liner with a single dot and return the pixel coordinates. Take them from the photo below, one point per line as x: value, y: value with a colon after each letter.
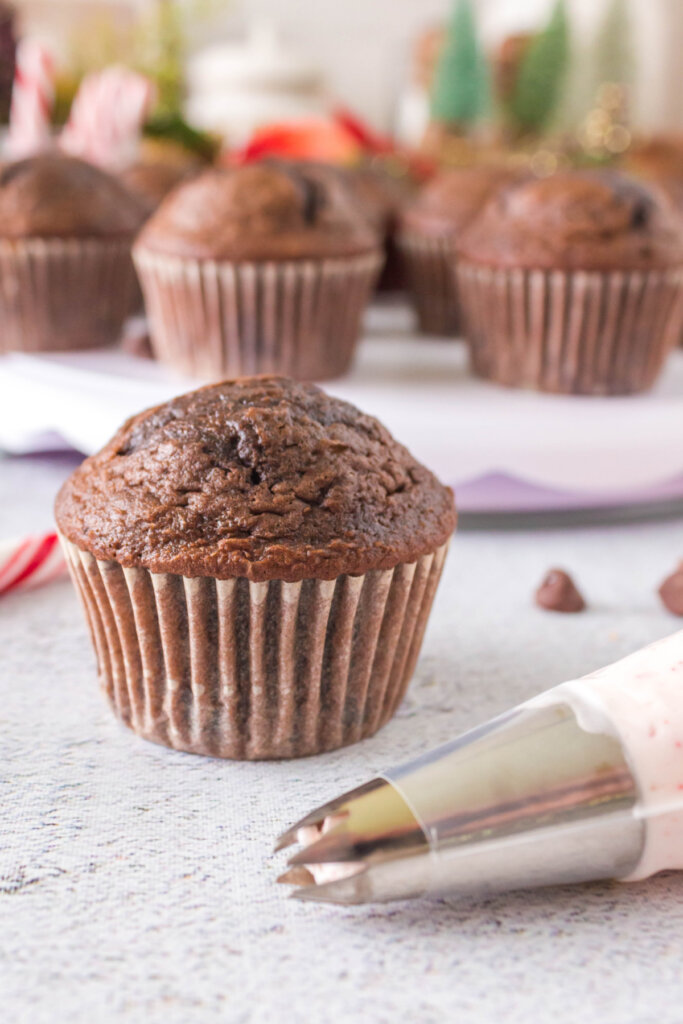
x: 214, y: 319
x: 244, y: 670
x: 572, y: 332
x: 58, y: 294
x: 428, y: 264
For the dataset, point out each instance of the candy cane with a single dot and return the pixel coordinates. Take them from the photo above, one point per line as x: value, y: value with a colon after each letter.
x: 106, y: 117
x: 33, y: 95
x: 30, y: 562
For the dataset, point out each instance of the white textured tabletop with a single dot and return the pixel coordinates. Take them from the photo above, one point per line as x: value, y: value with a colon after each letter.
x: 136, y: 884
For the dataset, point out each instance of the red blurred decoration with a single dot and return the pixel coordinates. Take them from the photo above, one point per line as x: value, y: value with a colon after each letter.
x: 369, y: 140
x: 311, y: 139
x: 342, y: 138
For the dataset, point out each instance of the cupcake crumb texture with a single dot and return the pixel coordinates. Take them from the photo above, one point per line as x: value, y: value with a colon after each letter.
x: 262, y: 477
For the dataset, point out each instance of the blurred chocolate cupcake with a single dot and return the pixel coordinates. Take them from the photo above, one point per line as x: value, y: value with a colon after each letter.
x: 267, y: 268
x: 428, y: 228
x: 257, y: 562
x: 658, y: 161
x: 151, y: 181
x: 572, y: 284
x: 66, y: 274
x: 382, y: 195
x: 656, y: 158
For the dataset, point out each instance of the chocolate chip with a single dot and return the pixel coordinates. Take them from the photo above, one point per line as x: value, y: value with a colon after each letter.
x: 558, y: 593
x: 312, y: 192
x: 671, y: 591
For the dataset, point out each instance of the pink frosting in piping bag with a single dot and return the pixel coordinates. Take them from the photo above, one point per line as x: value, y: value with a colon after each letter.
x: 640, y: 700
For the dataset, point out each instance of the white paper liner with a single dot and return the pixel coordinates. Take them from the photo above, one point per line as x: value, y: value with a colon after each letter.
x: 59, y: 294
x: 428, y: 264
x: 213, y: 319
x: 247, y: 670
x: 571, y: 332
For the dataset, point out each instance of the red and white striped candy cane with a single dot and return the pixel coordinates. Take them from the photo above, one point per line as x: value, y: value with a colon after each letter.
x: 107, y: 115
x: 33, y: 96
x: 30, y: 562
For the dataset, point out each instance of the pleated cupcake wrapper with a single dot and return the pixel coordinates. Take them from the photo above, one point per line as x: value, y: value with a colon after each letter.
x: 573, y: 332
x: 428, y: 266
x: 218, y: 318
x: 58, y: 294
x: 247, y: 670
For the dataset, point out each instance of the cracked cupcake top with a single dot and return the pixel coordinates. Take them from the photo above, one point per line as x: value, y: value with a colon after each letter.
x: 55, y: 196
x: 262, y: 477
x: 275, y: 210
x: 575, y: 220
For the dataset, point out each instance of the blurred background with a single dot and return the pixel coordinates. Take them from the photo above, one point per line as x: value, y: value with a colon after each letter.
x: 282, y: 58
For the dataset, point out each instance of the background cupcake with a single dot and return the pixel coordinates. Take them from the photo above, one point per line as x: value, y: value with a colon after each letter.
x: 257, y: 562
x: 66, y: 274
x: 382, y: 195
x: 573, y: 284
x: 150, y: 182
x: 658, y: 161
x: 428, y: 228
x: 658, y: 158
x: 266, y: 268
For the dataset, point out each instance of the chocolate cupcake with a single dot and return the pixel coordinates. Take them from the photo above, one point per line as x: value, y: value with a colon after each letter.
x: 572, y: 284
x: 266, y: 268
x: 656, y: 158
x: 257, y: 562
x: 150, y: 182
x: 66, y: 274
x: 658, y: 161
x: 382, y: 195
x: 428, y: 228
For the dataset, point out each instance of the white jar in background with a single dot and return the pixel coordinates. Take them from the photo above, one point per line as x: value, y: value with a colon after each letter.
x: 236, y: 87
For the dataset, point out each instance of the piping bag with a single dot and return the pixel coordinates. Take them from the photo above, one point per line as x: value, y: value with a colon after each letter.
x: 583, y: 782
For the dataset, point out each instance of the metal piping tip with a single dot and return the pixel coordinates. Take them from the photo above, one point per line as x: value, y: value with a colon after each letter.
x: 528, y: 799
x: 296, y: 876
x: 309, y: 834
x: 336, y: 846
x: 317, y: 817
x: 299, y: 834
x: 344, y: 891
x: 345, y: 842
x: 287, y: 838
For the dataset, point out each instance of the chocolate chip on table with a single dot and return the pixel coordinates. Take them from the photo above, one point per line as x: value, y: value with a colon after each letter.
x: 559, y: 593
x: 671, y: 591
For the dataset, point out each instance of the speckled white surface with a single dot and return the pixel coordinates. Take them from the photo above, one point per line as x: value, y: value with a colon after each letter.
x: 136, y: 884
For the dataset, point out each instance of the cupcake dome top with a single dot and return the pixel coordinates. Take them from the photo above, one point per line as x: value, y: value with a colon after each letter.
x: 575, y: 220
x: 56, y: 196
x: 379, y: 193
x: 450, y: 200
x: 150, y: 182
x: 263, y: 211
x: 261, y: 477
x: 660, y: 156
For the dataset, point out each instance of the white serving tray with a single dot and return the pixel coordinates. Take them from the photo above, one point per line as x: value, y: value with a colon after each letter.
x: 593, y: 450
